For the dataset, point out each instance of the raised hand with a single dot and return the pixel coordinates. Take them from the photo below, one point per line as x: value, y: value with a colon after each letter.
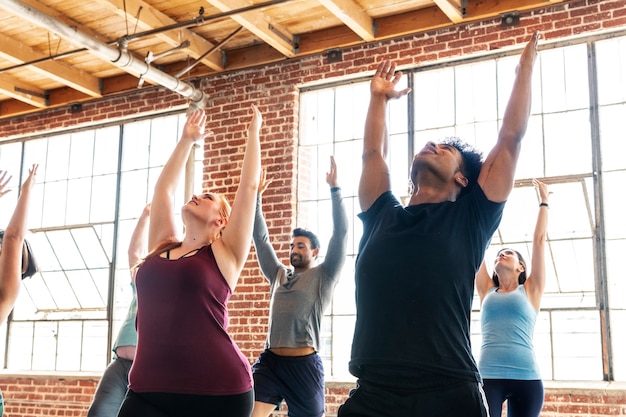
x: 331, y: 177
x: 195, y: 126
x: 30, y: 180
x: 543, y: 190
x: 4, y: 181
x: 257, y: 120
x: 529, y: 55
x: 385, y: 80
x: 264, y: 182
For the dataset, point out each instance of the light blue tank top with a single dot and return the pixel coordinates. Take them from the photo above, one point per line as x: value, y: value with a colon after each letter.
x: 127, y: 335
x: 508, y: 323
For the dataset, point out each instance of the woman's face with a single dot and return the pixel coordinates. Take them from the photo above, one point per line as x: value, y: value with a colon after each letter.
x: 510, y: 259
x: 209, y: 206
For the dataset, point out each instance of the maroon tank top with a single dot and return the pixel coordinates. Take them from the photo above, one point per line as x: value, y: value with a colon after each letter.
x: 182, y: 341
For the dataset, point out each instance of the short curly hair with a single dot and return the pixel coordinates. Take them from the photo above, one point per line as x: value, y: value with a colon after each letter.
x: 315, y: 242
x: 472, y: 160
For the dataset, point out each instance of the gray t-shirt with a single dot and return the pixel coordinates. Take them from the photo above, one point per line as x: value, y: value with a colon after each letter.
x: 298, y: 301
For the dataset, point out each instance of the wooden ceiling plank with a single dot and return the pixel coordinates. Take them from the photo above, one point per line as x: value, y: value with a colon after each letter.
x: 151, y: 18
x: 353, y: 16
x: 261, y: 54
x: 412, y: 22
x: 12, y: 107
x: 260, y: 25
x: 453, y: 12
x: 18, y: 53
x: 11, y: 87
x: 479, y: 9
x: 42, y: 8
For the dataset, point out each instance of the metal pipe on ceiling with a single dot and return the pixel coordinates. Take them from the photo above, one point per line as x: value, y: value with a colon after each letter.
x: 117, y: 56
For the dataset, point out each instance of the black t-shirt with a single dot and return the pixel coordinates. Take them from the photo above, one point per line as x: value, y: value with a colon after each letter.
x: 414, y: 288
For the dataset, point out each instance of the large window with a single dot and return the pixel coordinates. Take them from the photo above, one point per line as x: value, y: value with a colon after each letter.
x: 91, y: 187
x: 573, y: 143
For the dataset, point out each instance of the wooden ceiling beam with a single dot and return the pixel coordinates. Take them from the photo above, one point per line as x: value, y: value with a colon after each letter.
x: 260, y: 25
x: 478, y: 9
x: 452, y: 10
x: 151, y: 18
x: 22, y: 91
x: 353, y: 16
x: 18, y: 53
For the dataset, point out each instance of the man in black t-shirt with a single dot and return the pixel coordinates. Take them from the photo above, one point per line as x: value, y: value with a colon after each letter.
x: 416, y: 264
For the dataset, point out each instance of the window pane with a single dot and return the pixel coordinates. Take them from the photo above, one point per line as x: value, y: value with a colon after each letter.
x: 69, y: 344
x: 90, y: 248
x: 45, y: 348
x: 343, y: 301
x: 542, y: 344
x: 611, y: 68
x: 574, y: 155
x: 612, y: 136
x: 618, y: 336
x: 615, y: 249
x: 103, y: 199
x: 577, y: 348
x: 57, y: 161
x: 81, y: 154
x: 10, y: 158
x: 564, y: 78
x: 94, y: 347
x: 317, y: 119
x: 475, y: 92
x: 133, y: 193
x: 20, y: 345
x: 342, y: 330
x: 614, y: 204
x: 85, y: 289
x: 106, y: 150
x: 78, y: 200
x: 531, y: 163
x: 397, y: 161
x: 55, y: 197
x: 350, y: 107
x: 163, y: 138
x: 349, y: 162
x: 61, y: 291
x: 435, y: 106
x: 136, y: 148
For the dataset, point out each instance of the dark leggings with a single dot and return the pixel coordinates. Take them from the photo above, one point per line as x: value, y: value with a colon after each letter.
x: 157, y: 404
x: 524, y: 398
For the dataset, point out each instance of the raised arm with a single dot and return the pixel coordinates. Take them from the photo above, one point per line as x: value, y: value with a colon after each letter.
x: 498, y: 171
x: 266, y: 256
x: 12, y: 244
x: 237, y: 235
x: 483, y: 281
x: 536, y: 281
x: 336, y: 253
x: 162, y: 222
x: 138, y: 241
x: 375, y: 177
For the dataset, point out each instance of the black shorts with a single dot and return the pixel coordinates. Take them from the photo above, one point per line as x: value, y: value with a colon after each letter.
x: 299, y: 380
x: 157, y: 404
x: 462, y: 399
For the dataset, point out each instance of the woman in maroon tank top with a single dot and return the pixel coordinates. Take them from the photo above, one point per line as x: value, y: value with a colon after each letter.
x: 186, y: 364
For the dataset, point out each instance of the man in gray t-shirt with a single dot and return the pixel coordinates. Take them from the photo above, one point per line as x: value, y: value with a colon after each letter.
x: 290, y: 369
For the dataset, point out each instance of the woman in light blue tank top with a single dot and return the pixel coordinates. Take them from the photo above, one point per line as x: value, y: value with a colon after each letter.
x: 510, y: 302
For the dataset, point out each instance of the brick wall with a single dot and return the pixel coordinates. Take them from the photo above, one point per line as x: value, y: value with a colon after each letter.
x: 37, y: 396
x: 274, y: 88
